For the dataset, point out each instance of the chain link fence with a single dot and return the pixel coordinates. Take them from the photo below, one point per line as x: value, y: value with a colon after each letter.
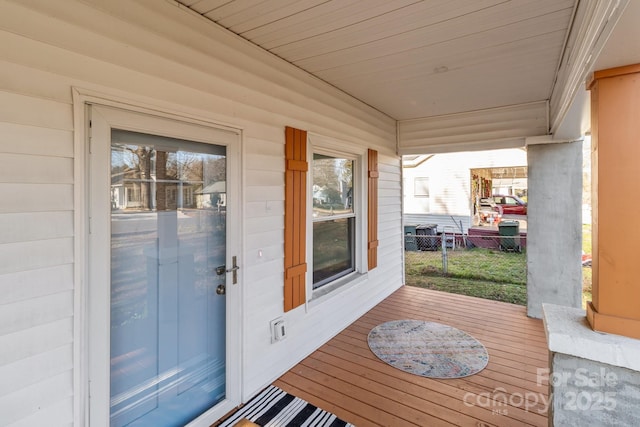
x: 485, y: 265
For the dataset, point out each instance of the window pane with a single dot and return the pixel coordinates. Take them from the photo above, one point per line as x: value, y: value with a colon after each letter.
x: 421, y: 187
x: 332, y: 186
x: 333, y: 251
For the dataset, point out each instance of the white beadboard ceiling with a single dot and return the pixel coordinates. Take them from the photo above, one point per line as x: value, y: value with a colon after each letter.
x: 412, y: 58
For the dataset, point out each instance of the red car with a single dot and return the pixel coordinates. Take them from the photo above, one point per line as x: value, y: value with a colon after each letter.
x: 511, y: 205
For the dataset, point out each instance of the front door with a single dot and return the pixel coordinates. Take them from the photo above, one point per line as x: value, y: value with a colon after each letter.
x: 159, y: 247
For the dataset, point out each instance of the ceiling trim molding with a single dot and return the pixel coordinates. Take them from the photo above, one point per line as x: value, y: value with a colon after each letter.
x: 495, y: 128
x: 548, y: 139
x: 593, y: 23
x: 460, y: 147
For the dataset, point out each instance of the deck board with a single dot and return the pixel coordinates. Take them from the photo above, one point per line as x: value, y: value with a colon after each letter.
x: 345, y: 377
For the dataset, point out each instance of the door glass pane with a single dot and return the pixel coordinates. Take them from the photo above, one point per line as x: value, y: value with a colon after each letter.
x: 168, y: 235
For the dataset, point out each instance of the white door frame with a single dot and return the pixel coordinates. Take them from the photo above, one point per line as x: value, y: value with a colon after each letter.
x: 128, y: 117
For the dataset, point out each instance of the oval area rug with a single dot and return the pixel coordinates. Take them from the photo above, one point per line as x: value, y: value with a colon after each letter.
x: 428, y: 349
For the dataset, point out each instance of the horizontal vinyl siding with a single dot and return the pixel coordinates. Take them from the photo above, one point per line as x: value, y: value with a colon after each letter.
x: 30, y: 226
x: 58, y: 411
x: 31, y: 370
x: 29, y: 110
x: 29, y: 400
x: 35, y: 169
x: 36, y: 197
x: 264, y: 227
x: 448, y: 223
x: 156, y: 55
x: 22, y: 315
x: 33, y: 341
x: 389, y: 217
x: 36, y: 247
x: 35, y: 140
x: 37, y: 254
x: 35, y: 283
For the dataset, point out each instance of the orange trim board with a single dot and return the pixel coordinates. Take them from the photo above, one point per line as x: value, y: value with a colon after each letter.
x: 612, y: 72
x: 372, y: 206
x: 612, y: 324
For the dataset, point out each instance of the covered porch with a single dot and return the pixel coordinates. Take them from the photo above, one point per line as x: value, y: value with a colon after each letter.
x: 366, y: 85
x: 345, y: 377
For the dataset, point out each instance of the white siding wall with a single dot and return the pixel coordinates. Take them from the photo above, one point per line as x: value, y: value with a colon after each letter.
x: 448, y: 223
x: 158, y: 54
x: 36, y: 249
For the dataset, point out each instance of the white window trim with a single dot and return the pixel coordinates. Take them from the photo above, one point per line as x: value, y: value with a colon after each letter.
x: 333, y: 147
x: 428, y: 187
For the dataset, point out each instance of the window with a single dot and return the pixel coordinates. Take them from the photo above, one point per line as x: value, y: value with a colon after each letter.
x: 333, y: 218
x: 330, y: 218
x: 421, y: 187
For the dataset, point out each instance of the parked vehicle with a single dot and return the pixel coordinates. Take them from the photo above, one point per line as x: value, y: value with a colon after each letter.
x: 511, y: 205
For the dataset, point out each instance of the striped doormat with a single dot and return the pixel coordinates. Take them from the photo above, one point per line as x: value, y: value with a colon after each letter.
x: 274, y: 407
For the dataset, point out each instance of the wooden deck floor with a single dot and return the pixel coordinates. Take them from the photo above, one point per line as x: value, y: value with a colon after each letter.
x: 346, y: 378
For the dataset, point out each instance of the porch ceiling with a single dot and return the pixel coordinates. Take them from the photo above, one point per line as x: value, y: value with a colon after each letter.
x: 412, y: 58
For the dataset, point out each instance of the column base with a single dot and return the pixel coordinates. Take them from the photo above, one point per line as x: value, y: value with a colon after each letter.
x: 594, y: 378
x: 612, y: 324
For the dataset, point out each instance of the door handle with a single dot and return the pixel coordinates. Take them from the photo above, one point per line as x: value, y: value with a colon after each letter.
x: 234, y: 269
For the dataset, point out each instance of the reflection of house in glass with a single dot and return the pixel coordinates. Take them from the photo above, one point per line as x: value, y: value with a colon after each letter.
x: 145, y: 178
x: 126, y: 192
x: 130, y: 192
x: 213, y: 196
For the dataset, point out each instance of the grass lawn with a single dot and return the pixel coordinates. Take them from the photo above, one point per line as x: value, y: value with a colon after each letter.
x: 484, y: 273
x: 586, y: 286
x: 586, y: 238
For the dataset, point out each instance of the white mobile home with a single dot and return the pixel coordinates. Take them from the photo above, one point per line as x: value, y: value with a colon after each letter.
x: 161, y: 244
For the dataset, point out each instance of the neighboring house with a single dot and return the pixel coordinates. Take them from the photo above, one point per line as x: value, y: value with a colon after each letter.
x: 442, y: 188
x: 122, y: 291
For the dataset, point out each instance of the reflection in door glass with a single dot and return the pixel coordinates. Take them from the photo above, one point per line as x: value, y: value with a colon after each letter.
x: 168, y: 235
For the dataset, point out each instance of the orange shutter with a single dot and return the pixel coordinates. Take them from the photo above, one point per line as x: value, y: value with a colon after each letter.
x: 372, y: 233
x: 295, y: 223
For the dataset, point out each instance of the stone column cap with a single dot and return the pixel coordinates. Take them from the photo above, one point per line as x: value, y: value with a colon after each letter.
x: 568, y: 332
